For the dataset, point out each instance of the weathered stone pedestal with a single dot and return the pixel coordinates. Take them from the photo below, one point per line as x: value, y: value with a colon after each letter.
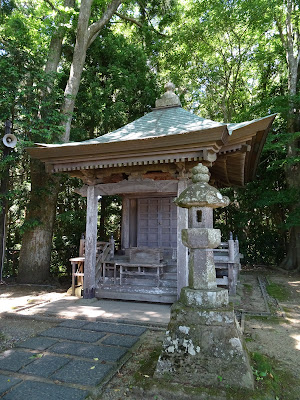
x: 204, y: 347
x: 203, y: 344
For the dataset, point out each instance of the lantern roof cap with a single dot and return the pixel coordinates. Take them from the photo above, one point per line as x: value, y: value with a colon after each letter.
x: 200, y: 193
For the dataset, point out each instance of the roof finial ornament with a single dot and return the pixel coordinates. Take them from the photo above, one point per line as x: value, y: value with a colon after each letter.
x: 169, y: 98
x: 170, y: 87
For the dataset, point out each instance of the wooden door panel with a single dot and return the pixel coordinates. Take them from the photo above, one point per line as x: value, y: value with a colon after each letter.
x: 157, y: 222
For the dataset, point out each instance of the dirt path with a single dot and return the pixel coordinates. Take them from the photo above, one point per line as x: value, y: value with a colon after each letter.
x: 16, y: 297
x: 278, y: 338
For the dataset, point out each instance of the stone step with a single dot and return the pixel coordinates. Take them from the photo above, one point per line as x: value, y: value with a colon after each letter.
x: 138, y: 293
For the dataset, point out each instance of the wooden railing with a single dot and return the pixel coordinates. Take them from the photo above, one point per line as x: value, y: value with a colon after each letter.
x: 104, y: 258
x: 227, y: 259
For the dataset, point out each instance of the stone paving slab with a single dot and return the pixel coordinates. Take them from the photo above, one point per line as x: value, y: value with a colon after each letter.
x: 65, y: 362
x: 116, y: 340
x: 7, y: 382
x: 30, y: 390
x: 104, y: 353
x: 77, y: 335
x: 115, y: 328
x: 45, y: 366
x: 13, y: 360
x: 69, y: 307
x: 83, y: 372
x: 37, y: 343
x: 73, y: 323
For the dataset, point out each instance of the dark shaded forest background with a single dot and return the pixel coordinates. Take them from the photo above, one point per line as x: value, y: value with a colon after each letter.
x: 231, y: 61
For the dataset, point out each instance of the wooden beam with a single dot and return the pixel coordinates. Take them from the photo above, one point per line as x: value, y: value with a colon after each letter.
x: 163, y: 157
x: 133, y: 186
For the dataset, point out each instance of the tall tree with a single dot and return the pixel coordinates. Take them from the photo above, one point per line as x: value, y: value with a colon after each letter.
x: 35, y: 254
x: 86, y: 34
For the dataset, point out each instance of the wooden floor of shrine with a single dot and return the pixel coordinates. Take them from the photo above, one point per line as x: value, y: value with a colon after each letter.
x: 142, y: 288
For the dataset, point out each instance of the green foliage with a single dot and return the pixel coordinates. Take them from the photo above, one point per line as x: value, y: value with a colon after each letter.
x: 262, y: 367
x: 117, y: 87
x: 69, y: 227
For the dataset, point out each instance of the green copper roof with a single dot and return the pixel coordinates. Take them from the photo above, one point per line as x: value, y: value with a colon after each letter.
x: 168, y: 118
x: 233, y: 127
x: 159, y: 122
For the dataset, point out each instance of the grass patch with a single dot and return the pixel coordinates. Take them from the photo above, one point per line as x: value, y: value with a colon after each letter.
x: 271, y: 381
x: 261, y: 366
x: 148, y: 365
x: 277, y: 291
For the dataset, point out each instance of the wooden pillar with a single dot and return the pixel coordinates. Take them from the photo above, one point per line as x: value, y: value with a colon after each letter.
x: 182, y: 251
x: 89, y: 282
x: 125, y: 223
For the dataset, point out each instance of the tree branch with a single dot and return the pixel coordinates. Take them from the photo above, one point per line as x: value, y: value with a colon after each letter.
x: 138, y: 23
x: 95, y: 28
x: 51, y: 5
x: 129, y: 19
x: 280, y: 30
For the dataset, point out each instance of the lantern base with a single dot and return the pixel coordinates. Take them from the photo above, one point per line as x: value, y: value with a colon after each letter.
x: 211, y: 298
x: 205, y: 348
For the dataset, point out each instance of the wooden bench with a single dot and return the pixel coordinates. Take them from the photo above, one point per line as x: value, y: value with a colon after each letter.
x: 141, y: 269
x: 143, y: 261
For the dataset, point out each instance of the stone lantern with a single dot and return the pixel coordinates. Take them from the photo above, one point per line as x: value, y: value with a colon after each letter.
x: 201, y: 238
x: 203, y: 341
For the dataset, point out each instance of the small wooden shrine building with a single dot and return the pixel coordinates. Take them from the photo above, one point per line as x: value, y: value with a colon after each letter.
x: 148, y: 163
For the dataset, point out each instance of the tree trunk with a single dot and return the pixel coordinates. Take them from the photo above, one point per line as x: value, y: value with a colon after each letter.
x: 79, y: 55
x: 3, y: 209
x: 35, y: 255
x: 292, y: 173
x: 292, y: 259
x: 85, y: 36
